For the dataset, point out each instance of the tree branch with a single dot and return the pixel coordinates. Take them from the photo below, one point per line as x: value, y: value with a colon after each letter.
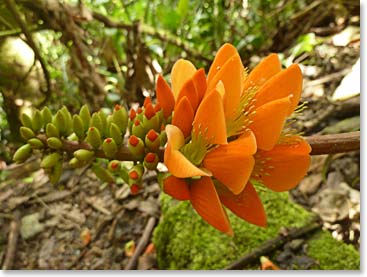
x: 320, y: 144
x: 12, y: 7
x: 148, y: 30
x: 335, y: 143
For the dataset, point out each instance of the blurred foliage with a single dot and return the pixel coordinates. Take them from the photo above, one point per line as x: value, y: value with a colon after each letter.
x: 126, y: 58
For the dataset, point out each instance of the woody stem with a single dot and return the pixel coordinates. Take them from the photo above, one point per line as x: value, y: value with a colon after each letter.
x: 320, y: 144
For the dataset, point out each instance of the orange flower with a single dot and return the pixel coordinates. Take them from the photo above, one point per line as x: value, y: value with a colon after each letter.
x: 188, y: 89
x: 230, y: 135
x: 208, y: 154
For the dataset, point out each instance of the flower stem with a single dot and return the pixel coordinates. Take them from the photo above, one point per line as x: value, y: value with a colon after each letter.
x: 335, y: 143
x: 320, y: 144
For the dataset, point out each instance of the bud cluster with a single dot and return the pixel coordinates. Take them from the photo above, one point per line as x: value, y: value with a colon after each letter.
x: 46, y: 133
x: 147, y: 135
x: 98, y: 139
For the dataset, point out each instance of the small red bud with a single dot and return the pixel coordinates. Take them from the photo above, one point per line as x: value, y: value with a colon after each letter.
x: 140, y: 110
x: 150, y: 157
x: 117, y: 107
x: 149, y: 111
x: 133, y: 140
x: 108, y: 140
x: 134, y: 175
x: 137, y: 122
x: 114, y: 165
x: 134, y: 189
x: 152, y: 135
x: 132, y: 114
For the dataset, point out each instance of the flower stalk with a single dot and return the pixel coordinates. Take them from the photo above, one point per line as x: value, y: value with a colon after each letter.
x: 320, y: 144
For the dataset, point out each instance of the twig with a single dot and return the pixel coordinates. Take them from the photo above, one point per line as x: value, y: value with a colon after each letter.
x: 148, y: 30
x: 12, y: 242
x: 11, y: 6
x: 273, y: 244
x: 335, y: 143
x: 142, y: 244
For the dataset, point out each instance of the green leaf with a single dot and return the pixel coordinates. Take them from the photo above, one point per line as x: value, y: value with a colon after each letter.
x: 182, y: 8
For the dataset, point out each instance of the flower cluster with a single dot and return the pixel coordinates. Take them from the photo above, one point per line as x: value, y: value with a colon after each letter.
x: 228, y: 132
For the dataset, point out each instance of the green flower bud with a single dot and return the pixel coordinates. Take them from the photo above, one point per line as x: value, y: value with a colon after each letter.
x: 23, y: 153
x: 115, y: 133
x: 76, y: 163
x: 36, y: 143
x: 120, y: 118
x: 78, y: 127
x: 102, y: 174
x: 50, y: 160
x: 151, y: 161
x: 52, y: 131
x: 109, y: 147
x: 136, y: 147
x: 26, y: 120
x: 37, y: 121
x: 55, y: 173
x: 103, y: 118
x: 84, y: 155
x: 96, y: 122
x: 85, y: 116
x: 152, y: 141
x: 68, y: 120
x: 46, y: 115
x: 94, y: 137
x: 151, y: 119
x: 114, y: 166
x: 163, y: 138
x: 136, y: 174
x: 26, y: 133
x: 54, y: 143
x: 138, y: 129
x: 59, y: 121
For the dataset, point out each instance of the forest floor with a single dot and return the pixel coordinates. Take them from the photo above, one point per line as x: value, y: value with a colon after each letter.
x: 83, y: 224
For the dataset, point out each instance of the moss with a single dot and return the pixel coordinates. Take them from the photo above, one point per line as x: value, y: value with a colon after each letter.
x: 332, y: 254
x: 184, y: 241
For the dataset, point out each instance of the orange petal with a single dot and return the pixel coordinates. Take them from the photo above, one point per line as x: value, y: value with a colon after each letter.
x: 175, y: 137
x: 205, y: 201
x: 268, y: 122
x: 209, y: 119
x: 188, y: 90
x: 231, y: 76
x: 183, y: 116
x: 266, y: 69
x: 165, y: 96
x: 246, y: 205
x: 181, y: 71
x: 199, y: 80
x: 177, y: 188
x: 285, y: 83
x: 232, y: 163
x: 287, y: 165
x: 179, y: 166
x: 223, y: 54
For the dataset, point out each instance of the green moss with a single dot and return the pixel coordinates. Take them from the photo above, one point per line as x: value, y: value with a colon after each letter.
x: 184, y: 241
x: 332, y: 254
